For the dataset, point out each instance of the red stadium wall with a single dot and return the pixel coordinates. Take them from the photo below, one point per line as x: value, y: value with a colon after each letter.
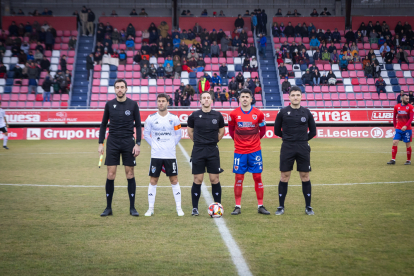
x: 210, y: 23
x: 325, y: 23
x: 139, y: 23
x: 392, y: 21
x: 58, y: 22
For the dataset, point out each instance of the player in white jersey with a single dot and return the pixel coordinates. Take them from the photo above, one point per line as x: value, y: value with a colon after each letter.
x: 163, y: 132
x: 3, y: 127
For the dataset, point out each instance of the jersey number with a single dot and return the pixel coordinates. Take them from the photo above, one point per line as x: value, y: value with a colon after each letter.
x: 237, y: 161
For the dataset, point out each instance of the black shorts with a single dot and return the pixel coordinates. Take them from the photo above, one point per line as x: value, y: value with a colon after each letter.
x: 117, y: 146
x: 290, y: 152
x: 170, y: 166
x: 3, y: 129
x: 208, y: 156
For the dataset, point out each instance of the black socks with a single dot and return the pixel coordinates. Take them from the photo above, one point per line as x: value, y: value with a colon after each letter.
x: 131, y: 192
x: 283, y: 189
x: 307, y: 189
x: 195, y: 194
x: 109, y: 188
x: 216, y: 191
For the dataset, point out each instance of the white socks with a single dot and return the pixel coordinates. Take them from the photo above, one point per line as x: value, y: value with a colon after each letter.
x: 152, y: 191
x: 177, y: 195
x: 5, y: 140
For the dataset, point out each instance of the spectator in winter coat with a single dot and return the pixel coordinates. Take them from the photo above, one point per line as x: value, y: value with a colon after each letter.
x: 203, y: 85
x: 389, y: 57
x: 224, y: 45
x: 286, y: 86
x: 289, y: 30
x: 307, y: 78
x: 216, y: 80
x: 130, y: 43
x: 336, y: 36
x: 215, y: 50
x: 223, y: 71
x: 314, y: 43
x: 380, y: 84
x: 63, y: 63
x: 239, y: 23
x: 402, y: 56
x: 283, y: 72
x: 343, y: 64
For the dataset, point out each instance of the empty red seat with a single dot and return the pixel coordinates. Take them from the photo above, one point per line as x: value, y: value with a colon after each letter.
x: 354, y: 82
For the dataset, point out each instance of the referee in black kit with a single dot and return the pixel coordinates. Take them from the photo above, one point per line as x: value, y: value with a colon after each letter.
x: 205, y: 128
x: 292, y: 124
x: 121, y: 112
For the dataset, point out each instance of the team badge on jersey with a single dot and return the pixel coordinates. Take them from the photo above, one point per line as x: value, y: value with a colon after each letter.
x: 114, y: 105
x: 171, y: 122
x: 303, y: 119
x: 236, y: 167
x: 214, y: 121
x: 254, y: 116
x: 153, y: 169
x: 127, y: 112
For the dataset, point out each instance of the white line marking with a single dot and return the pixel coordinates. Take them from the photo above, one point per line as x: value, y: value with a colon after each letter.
x: 36, y: 153
x: 83, y: 186
x: 235, y: 252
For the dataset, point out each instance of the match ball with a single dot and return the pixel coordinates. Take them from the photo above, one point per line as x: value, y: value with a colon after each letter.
x: 215, y: 210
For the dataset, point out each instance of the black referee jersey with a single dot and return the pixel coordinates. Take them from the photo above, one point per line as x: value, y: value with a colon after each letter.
x: 121, y: 116
x: 206, y: 126
x: 293, y: 124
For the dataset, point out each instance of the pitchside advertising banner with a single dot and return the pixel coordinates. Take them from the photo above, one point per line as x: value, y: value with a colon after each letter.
x: 75, y: 133
x: 85, y: 117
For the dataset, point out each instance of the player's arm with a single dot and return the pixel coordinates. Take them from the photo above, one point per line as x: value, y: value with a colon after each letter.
x: 311, y: 126
x: 5, y: 120
x: 177, y: 130
x: 262, y: 125
x: 102, y: 130
x: 221, y: 127
x: 147, y: 131
x: 278, y: 124
x: 190, y: 127
x: 138, y: 132
x: 232, y: 125
x: 394, y: 118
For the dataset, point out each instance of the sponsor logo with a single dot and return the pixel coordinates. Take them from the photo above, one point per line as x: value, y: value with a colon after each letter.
x: 303, y: 119
x: 236, y: 168
x: 376, y: 132
x: 201, y: 116
x: 61, y: 114
x: 150, y: 194
x: 238, y: 117
x: 254, y: 117
x: 127, y: 112
x: 288, y: 112
x: 132, y: 195
x: 381, y: 115
x: 178, y: 193
x: 402, y: 112
x: 245, y: 124
x: 258, y: 158
x: 23, y: 118
x: 195, y: 194
x: 153, y: 169
x: 156, y: 123
x: 33, y: 134
x: 327, y: 116
x: 214, y: 121
x: 114, y: 105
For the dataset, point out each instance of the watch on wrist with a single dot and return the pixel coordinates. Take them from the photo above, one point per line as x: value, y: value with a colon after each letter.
x: 139, y: 143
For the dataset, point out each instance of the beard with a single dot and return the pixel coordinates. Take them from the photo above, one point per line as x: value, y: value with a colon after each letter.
x: 121, y: 95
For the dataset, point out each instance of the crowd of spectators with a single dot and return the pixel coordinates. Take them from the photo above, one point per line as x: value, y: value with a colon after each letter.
x: 31, y: 63
x: 324, y: 50
x: 295, y: 12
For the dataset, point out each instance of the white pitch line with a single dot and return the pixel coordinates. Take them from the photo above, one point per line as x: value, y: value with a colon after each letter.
x: 235, y: 252
x: 60, y: 153
x: 84, y: 186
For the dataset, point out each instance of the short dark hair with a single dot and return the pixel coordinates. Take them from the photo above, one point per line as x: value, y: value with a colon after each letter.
x: 295, y: 88
x: 119, y: 80
x: 208, y: 92
x: 246, y: 91
x: 163, y: 95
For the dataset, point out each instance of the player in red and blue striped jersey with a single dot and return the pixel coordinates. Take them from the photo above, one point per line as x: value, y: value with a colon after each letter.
x: 403, y: 116
x: 247, y: 126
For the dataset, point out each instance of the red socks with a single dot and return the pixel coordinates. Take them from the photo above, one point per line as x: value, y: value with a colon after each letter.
x: 394, y: 152
x: 409, y: 154
x: 258, y: 187
x: 238, y: 188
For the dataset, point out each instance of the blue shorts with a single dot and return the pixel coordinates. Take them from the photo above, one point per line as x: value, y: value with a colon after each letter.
x: 250, y: 162
x: 405, y: 136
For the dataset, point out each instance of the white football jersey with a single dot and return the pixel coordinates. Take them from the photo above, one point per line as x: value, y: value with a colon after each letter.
x: 163, y: 134
x: 2, y: 116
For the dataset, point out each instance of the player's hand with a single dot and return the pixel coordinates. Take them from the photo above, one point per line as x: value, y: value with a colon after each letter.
x: 101, y: 149
x: 136, y: 150
x: 404, y: 128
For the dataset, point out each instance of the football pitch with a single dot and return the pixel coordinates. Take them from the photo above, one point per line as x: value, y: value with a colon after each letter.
x: 363, y: 223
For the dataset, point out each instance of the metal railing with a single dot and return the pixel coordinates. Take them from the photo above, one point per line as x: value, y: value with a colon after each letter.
x: 277, y: 67
x: 74, y: 66
x: 88, y: 95
x: 259, y: 69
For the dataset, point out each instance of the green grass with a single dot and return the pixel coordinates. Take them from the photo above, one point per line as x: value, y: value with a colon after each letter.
x: 357, y: 229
